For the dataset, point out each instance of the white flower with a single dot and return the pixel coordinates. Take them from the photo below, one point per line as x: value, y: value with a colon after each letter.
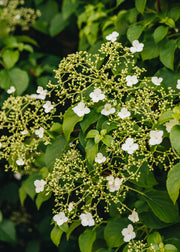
x: 137, y: 47
x: 100, y: 158
x: 60, y: 218
x: 157, y: 81
x: 11, y: 90
x: 1, y: 2
x: 128, y: 233
x: 87, y: 220
x: 131, y: 80
x: 0, y: 144
x: 130, y: 146
x: 114, y: 184
x: 39, y: 132
x: 170, y: 124
x: 124, y: 113
x: 20, y: 161
x: 48, y: 107
x: 97, y: 95
x: 24, y: 132
x: 70, y: 206
x: 41, y: 94
x: 113, y: 36
x: 17, y: 17
x: 17, y: 175
x: 155, y: 137
x: 133, y: 217
x: 107, y: 110
x: 39, y: 185
x: 80, y: 109
x: 178, y: 84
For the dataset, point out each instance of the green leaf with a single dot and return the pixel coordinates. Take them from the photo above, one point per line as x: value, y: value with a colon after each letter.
x: 173, y: 182
x: 4, y: 29
x: 107, y: 140
x: 58, y: 24
x: 68, y: 7
x: 175, y: 138
x: 22, y: 195
x: 72, y: 227
x: 92, y: 133
x: 48, y: 10
x: 20, y: 79
x: 104, y: 250
x: 10, y: 57
x: 70, y: 120
x: 33, y: 246
x: 170, y: 248
x: 165, y: 117
x: 91, y: 150
x: 56, y: 234
x: 162, y: 206
x: 150, y: 50
x: 89, y: 119
x: 41, y: 26
x: 134, y: 32
x: 112, y: 232
x: 174, y: 13
x: 5, y: 82
x: 54, y: 150
x: 155, y: 239
x: 160, y: 32
x: 26, y: 39
x: 167, y: 50
x: 42, y: 197
x: 56, y: 127
x: 140, y: 5
x: 118, y: 2
x: 7, y: 231
x: 86, y: 240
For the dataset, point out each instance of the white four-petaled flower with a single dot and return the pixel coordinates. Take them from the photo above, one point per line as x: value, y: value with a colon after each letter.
x: 137, y: 47
x: 81, y: 109
x: 124, y: 113
x: 170, y: 124
x: 41, y: 93
x: 87, y: 219
x: 97, y: 95
x: 20, y: 161
x: 130, y: 146
x: 131, y: 80
x: 48, y: 107
x: 107, y: 110
x: 60, y: 218
x: 133, y: 217
x: 157, y: 81
x: 155, y: 137
x: 70, y: 206
x: 113, y: 184
x: 178, y: 84
x: 11, y: 90
x: 113, y: 36
x: 18, y: 16
x: 17, y: 175
x: 39, y: 132
x: 25, y: 132
x: 128, y: 233
x: 39, y: 185
x: 100, y: 158
x: 0, y: 144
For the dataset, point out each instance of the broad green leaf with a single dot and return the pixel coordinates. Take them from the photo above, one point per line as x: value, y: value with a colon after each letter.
x: 86, y: 240
x: 169, y: 77
x: 160, y: 32
x: 174, y: 13
x: 89, y: 119
x: 162, y: 206
x: 10, y: 58
x: 70, y: 120
x: 155, y: 239
x: 118, y: 2
x: 91, y: 150
x: 56, y: 234
x: 68, y: 7
x: 170, y: 248
x: 54, y: 150
x: 22, y: 195
x: 56, y: 127
x: 4, y: 29
x: 107, y: 140
x: 173, y: 182
x: 112, y: 232
x: 134, y: 32
x: 91, y: 32
x: 140, y: 5
x: 174, y: 241
x: 72, y: 227
x: 175, y: 138
x: 5, y: 82
x: 42, y: 197
x: 7, y: 231
x: 20, y: 79
x: 48, y: 10
x: 26, y: 39
x: 165, y: 117
x: 58, y: 23
x: 92, y: 133
x: 41, y: 26
x: 167, y: 50
x: 151, y: 221
x: 150, y: 50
